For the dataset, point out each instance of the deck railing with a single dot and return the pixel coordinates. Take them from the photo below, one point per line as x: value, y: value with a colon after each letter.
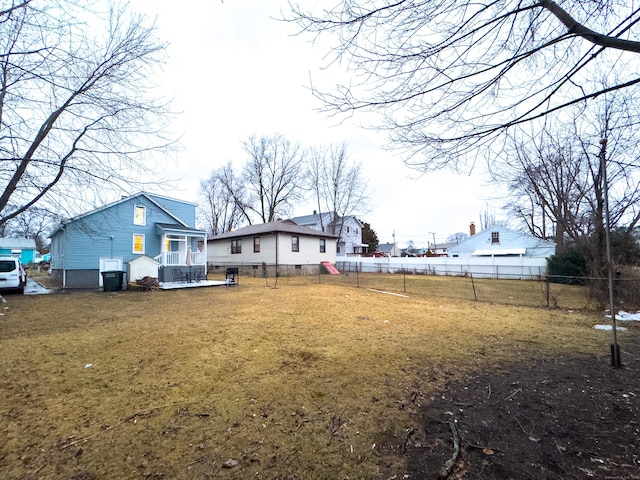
x: 180, y: 258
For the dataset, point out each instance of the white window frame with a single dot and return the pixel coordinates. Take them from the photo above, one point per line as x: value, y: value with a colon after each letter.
x: 140, y: 208
x: 133, y: 244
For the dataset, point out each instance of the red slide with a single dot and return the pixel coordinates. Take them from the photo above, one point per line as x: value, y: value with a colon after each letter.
x: 330, y: 268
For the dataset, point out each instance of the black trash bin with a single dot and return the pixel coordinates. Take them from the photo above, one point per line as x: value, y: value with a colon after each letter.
x: 112, y: 280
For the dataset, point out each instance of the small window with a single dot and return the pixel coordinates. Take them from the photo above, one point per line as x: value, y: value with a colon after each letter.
x: 256, y: 244
x: 348, y: 230
x: 236, y: 246
x: 495, y: 237
x: 138, y: 243
x: 295, y: 243
x: 139, y: 215
x: 323, y: 245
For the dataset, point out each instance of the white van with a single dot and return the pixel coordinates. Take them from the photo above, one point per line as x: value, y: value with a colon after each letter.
x: 13, y: 276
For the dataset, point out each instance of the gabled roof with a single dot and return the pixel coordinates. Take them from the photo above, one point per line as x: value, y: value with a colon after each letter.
x: 148, y: 196
x: 511, y: 243
x: 386, y: 247
x: 18, y: 243
x: 279, y: 226
x: 312, y: 219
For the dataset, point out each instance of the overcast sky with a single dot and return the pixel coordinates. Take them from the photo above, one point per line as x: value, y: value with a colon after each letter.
x: 234, y: 71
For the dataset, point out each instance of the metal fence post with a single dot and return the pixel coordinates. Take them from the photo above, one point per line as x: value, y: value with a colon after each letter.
x: 548, y: 285
x: 475, y: 297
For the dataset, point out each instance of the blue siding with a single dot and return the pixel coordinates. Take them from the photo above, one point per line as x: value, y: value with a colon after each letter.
x: 186, y: 212
x: 27, y: 256
x: 108, y: 232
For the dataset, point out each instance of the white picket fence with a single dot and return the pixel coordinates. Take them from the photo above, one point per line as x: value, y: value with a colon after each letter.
x: 479, y: 267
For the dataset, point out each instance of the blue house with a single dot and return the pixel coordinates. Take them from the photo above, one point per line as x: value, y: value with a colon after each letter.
x: 141, y: 235
x: 23, y: 248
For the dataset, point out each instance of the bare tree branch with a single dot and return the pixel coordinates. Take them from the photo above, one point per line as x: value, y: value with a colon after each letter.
x: 76, y: 110
x: 448, y: 80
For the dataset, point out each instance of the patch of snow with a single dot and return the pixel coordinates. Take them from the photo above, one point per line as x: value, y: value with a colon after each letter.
x: 609, y: 327
x: 626, y: 317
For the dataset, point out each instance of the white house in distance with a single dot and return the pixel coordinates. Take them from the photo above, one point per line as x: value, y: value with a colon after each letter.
x: 348, y: 228
x: 389, y: 249
x: 497, y: 241
x: 271, y: 245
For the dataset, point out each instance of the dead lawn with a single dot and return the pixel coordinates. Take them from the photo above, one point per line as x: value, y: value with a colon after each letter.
x: 298, y: 382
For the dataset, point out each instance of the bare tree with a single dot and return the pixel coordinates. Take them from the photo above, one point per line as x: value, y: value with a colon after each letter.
x: 449, y: 78
x: 557, y: 177
x: 487, y: 217
x: 76, y: 113
x: 33, y: 223
x: 457, y: 237
x: 271, y: 177
x: 221, y: 211
x: 336, y: 183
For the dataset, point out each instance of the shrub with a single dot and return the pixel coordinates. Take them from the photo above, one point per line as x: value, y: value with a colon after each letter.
x: 571, y: 263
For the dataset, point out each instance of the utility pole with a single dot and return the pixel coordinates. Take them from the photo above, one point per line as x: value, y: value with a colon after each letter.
x: 434, y: 242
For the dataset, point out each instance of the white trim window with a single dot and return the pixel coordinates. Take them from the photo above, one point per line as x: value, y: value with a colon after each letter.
x: 139, y: 215
x: 138, y: 244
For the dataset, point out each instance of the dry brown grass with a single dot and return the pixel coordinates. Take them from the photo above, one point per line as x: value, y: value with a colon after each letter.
x: 299, y: 382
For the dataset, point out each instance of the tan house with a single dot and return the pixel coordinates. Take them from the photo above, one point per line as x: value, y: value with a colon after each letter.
x: 271, y: 246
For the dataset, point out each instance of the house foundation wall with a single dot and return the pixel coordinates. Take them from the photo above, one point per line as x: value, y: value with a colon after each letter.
x: 260, y: 270
x: 77, y: 278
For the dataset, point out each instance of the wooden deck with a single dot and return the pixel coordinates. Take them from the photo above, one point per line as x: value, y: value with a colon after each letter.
x: 201, y: 284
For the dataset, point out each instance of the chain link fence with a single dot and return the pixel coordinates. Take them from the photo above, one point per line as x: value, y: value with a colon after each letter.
x: 572, y: 293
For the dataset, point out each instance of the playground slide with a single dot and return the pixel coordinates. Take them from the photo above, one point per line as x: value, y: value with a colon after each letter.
x: 330, y: 268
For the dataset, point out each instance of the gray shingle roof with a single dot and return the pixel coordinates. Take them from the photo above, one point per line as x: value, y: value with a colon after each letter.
x: 279, y: 226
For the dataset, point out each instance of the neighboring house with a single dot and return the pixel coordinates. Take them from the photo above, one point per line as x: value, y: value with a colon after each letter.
x: 23, y: 248
x: 497, y: 241
x: 272, y: 244
x: 348, y: 229
x: 440, y: 249
x: 141, y: 234
x: 389, y: 249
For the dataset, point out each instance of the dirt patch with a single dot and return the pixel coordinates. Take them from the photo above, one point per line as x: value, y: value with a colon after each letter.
x: 567, y: 417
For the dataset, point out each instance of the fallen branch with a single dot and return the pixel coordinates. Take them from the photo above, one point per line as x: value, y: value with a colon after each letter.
x: 448, y: 466
x: 336, y: 423
x: 513, y: 394
x: 126, y: 419
x: 405, y: 438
